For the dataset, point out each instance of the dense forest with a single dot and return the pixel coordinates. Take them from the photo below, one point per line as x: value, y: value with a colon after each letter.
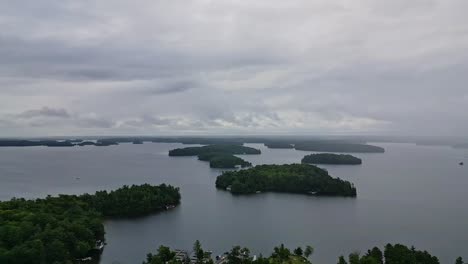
x: 219, y: 156
x: 329, y: 158
x: 293, y: 178
x: 68, y: 227
x: 338, y: 147
x: 392, y: 254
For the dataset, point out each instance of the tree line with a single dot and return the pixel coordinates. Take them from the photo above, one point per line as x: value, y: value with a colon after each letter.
x: 391, y: 254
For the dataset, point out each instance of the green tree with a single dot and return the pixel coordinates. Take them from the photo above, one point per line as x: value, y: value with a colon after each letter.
x: 459, y: 260
x: 376, y: 254
x: 341, y: 260
x: 239, y: 255
x: 199, y: 253
x: 308, y: 251
x: 354, y: 258
x: 298, y: 251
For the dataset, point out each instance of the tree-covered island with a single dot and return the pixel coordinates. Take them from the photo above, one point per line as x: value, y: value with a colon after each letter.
x: 219, y: 156
x: 292, y: 178
x: 68, y: 228
x: 223, y: 160
x: 329, y: 158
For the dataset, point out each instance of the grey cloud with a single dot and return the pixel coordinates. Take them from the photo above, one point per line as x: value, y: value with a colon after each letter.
x: 45, y: 112
x: 234, y: 67
x: 94, y: 122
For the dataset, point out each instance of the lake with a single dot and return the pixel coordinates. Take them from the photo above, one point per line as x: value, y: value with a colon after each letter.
x: 410, y: 194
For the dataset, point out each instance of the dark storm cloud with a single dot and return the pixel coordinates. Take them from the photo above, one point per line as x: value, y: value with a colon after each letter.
x: 111, y: 67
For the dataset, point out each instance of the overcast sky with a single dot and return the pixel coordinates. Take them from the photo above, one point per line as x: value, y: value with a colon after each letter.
x: 154, y: 67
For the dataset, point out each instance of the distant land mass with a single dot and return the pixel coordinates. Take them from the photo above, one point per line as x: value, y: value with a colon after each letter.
x: 299, y: 143
x: 279, y: 145
x: 219, y: 156
x: 329, y: 158
x: 32, y: 143
x: 338, y: 147
x: 291, y: 178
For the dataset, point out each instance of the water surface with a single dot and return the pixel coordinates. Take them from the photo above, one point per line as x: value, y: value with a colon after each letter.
x: 410, y: 194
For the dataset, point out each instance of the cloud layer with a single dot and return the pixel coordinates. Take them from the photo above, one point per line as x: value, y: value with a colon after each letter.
x: 238, y: 67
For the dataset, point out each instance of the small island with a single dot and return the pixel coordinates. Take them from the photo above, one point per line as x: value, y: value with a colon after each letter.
x: 292, y: 178
x: 329, y: 158
x: 69, y: 228
x: 219, y: 156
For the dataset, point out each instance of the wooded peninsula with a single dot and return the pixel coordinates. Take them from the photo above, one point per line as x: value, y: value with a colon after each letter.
x: 67, y: 228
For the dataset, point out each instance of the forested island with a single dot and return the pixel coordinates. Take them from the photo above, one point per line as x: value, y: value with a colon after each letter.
x: 391, y: 254
x: 223, y: 160
x: 292, y: 178
x: 219, y: 156
x: 329, y: 158
x: 338, y: 147
x: 67, y: 228
x: 228, y: 149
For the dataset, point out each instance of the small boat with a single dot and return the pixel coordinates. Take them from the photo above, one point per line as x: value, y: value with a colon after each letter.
x: 461, y: 163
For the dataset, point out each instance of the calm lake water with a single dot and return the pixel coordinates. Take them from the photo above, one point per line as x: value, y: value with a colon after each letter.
x: 410, y: 194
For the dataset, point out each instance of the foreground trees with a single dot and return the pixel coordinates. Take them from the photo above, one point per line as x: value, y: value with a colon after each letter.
x: 293, y: 178
x: 392, y: 254
x: 69, y: 227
